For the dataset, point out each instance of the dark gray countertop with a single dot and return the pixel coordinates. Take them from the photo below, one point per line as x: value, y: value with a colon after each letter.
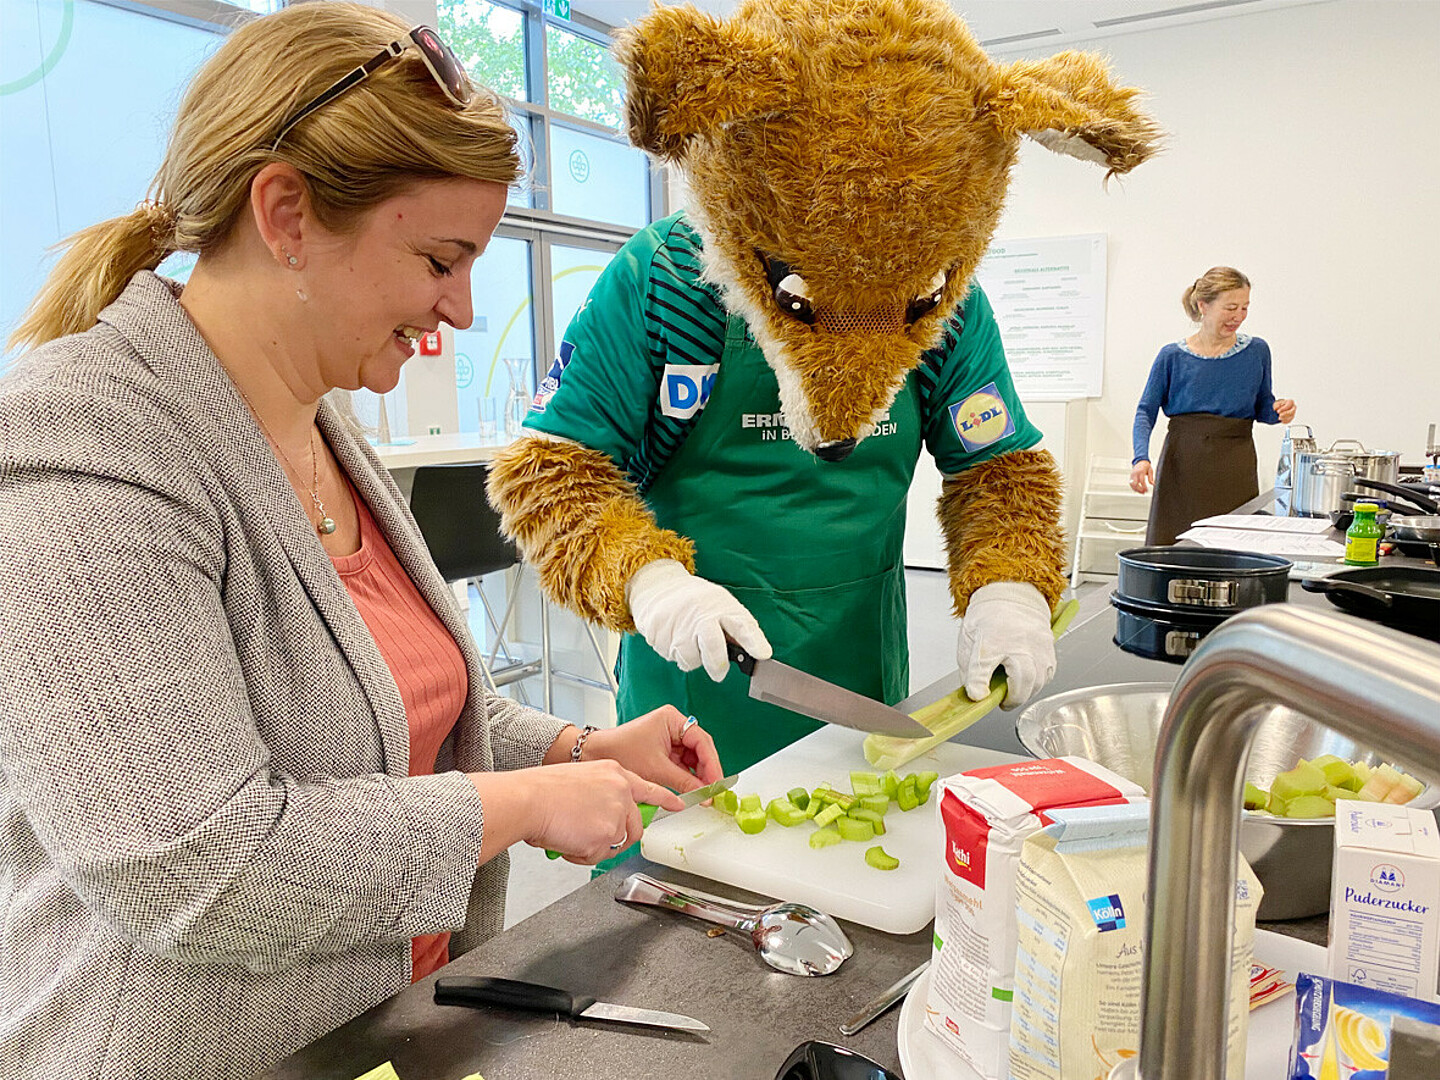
x: 645, y: 957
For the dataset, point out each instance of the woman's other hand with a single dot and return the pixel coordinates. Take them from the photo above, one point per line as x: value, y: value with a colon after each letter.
x: 1142, y: 475
x: 664, y: 746
x: 1284, y: 408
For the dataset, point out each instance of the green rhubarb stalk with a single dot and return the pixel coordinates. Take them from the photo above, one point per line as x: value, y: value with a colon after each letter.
x: 950, y: 715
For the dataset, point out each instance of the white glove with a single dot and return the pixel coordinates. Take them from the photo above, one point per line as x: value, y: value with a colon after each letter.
x: 686, y: 619
x: 1007, y: 624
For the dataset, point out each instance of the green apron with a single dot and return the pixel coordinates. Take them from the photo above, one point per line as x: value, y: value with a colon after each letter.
x: 812, y: 549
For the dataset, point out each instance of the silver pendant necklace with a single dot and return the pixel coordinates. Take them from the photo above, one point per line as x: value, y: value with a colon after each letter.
x: 326, y: 525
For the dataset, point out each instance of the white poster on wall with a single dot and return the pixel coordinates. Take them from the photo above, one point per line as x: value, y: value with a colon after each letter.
x: 1049, y: 299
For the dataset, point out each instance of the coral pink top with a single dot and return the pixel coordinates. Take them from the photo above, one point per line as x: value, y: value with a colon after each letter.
x: 424, y: 660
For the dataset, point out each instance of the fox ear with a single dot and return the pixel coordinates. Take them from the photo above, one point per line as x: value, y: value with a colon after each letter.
x: 686, y: 72
x: 1069, y: 104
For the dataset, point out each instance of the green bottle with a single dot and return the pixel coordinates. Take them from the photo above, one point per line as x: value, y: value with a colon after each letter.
x: 1362, y: 539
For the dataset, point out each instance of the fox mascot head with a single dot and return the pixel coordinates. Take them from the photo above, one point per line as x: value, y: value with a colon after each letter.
x: 847, y: 162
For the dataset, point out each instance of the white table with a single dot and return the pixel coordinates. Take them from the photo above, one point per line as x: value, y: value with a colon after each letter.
x: 453, y: 449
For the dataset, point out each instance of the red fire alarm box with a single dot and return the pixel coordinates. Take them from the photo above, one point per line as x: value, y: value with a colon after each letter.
x: 430, y: 344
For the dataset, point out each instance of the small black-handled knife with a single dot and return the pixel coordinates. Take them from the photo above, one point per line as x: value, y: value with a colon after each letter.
x: 790, y: 688
x: 480, y: 990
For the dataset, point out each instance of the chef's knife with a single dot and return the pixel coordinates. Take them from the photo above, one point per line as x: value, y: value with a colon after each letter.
x: 649, y: 812
x: 790, y: 688
x: 481, y: 990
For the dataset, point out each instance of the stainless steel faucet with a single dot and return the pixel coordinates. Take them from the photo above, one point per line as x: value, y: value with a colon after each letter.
x: 1379, y: 687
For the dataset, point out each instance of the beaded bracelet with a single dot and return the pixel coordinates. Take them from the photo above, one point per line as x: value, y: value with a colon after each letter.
x: 580, y: 742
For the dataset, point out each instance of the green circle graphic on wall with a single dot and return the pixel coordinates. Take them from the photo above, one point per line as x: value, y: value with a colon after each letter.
x: 62, y: 40
x: 579, y: 166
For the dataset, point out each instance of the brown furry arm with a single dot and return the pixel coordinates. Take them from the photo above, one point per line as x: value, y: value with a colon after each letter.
x: 1002, y: 523
x: 581, y: 524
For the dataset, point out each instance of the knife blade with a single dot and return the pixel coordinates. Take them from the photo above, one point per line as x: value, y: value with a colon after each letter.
x: 648, y: 812
x: 883, y: 1000
x: 690, y: 798
x: 477, y: 991
x: 793, y: 689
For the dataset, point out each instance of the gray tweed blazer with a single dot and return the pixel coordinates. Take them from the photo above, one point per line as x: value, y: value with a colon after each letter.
x: 210, y: 851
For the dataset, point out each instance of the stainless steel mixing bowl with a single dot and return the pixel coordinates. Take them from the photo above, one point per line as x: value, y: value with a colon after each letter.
x: 1117, y: 726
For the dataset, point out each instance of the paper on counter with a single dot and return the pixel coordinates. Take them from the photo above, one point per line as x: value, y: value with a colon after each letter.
x: 1261, y: 523
x: 1266, y: 543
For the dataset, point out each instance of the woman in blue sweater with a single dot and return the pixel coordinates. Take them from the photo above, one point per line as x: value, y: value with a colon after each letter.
x: 1213, y: 386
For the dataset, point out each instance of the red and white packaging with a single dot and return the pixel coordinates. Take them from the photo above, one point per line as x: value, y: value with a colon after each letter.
x: 985, y: 816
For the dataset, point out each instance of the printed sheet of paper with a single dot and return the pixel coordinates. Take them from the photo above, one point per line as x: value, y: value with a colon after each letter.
x: 1049, y: 299
x: 1261, y: 523
x: 1265, y: 543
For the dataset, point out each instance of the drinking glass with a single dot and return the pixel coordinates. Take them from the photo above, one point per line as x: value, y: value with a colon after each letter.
x: 489, y: 410
x: 517, y: 404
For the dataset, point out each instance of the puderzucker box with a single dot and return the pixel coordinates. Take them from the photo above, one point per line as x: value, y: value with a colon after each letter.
x: 1385, y: 899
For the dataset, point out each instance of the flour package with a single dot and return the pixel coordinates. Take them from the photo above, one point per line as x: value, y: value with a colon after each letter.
x: 1079, y: 954
x: 985, y: 816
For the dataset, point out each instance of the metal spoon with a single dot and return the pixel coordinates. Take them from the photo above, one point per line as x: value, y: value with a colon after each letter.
x: 793, y: 938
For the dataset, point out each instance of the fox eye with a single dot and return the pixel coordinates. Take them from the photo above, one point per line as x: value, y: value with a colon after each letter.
x: 929, y: 300
x: 792, y: 295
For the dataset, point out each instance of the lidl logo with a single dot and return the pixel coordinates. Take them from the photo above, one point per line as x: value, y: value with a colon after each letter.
x: 982, y: 418
x: 1107, y: 912
x: 551, y: 382
x: 685, y: 388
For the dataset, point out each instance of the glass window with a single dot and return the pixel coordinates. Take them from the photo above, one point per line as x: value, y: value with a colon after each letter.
x: 573, y: 271
x: 504, y: 330
x: 87, y: 95
x: 583, y: 79
x: 489, y: 39
x: 596, y: 177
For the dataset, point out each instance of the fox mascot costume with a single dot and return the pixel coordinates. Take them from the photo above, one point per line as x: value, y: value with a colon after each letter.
x: 723, y: 447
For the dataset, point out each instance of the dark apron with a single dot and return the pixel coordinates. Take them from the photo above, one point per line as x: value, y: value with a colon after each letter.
x: 1207, y: 467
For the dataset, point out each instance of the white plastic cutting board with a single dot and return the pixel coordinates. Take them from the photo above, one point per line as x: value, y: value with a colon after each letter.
x: 779, y: 862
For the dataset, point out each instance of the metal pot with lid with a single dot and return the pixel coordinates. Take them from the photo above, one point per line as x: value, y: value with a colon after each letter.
x: 1321, y: 477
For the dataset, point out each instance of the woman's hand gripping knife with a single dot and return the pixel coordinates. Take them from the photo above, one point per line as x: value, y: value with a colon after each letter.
x: 1006, y: 559
x: 599, y: 552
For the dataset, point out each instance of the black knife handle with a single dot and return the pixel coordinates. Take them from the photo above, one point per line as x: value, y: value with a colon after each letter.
x: 741, y: 659
x: 479, y: 990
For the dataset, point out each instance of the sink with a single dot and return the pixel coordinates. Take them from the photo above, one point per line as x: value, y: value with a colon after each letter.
x: 1376, y: 686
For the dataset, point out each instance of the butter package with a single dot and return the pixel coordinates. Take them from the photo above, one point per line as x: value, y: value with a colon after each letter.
x: 1385, y: 898
x: 1342, y: 1031
x: 985, y: 816
x: 1080, y: 892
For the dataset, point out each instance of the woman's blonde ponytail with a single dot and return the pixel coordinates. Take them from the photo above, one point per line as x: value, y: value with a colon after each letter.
x: 97, y: 264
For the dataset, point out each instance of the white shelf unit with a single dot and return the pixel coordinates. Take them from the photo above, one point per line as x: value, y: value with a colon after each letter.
x: 1112, y: 518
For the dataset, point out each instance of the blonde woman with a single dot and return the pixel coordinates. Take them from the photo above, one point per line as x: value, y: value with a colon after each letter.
x: 1213, y: 385
x: 250, y: 778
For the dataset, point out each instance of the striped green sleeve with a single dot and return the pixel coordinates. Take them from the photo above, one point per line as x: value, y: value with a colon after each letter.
x: 636, y: 358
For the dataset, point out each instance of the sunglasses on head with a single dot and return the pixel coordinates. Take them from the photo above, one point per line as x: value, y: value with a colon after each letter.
x: 442, y: 64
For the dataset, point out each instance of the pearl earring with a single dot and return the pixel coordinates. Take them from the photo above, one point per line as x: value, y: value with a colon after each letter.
x: 302, y: 294
x: 291, y: 259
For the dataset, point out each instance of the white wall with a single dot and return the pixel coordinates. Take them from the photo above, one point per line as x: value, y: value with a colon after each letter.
x: 1301, y: 151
